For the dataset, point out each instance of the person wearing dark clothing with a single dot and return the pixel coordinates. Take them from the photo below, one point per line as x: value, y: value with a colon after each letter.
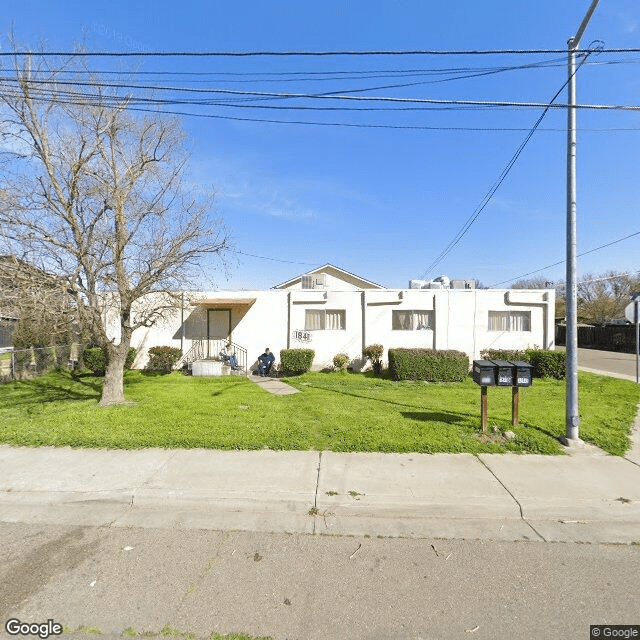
x: 264, y: 363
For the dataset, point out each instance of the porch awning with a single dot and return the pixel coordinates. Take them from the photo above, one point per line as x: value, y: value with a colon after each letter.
x: 225, y: 303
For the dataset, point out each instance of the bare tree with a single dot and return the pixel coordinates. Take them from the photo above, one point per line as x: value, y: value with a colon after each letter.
x: 95, y: 195
x: 603, y: 298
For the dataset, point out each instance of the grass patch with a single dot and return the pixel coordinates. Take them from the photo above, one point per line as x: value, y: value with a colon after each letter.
x: 334, y: 411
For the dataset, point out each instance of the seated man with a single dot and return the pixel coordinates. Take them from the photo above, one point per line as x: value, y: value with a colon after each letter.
x: 264, y: 362
x: 228, y: 356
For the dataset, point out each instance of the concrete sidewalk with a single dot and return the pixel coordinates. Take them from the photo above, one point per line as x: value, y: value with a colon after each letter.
x: 587, y: 496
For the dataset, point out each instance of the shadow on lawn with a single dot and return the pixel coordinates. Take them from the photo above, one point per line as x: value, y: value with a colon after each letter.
x: 447, y: 417
x: 45, y: 389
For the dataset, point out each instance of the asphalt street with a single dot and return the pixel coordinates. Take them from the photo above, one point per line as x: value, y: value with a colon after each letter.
x: 110, y: 582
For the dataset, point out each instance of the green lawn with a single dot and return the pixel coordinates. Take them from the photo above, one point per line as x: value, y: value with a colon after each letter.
x: 336, y: 411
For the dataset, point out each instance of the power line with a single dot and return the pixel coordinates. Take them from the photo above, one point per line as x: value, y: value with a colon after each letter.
x: 555, y: 264
x: 247, y: 54
x: 343, y: 96
x: 251, y: 255
x: 487, y: 197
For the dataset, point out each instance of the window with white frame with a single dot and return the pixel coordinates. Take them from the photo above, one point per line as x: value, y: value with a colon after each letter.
x: 411, y: 320
x: 509, y: 320
x: 324, y: 320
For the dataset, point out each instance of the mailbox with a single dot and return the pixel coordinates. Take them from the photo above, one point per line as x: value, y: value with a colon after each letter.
x: 504, y: 373
x: 522, y: 373
x: 484, y: 373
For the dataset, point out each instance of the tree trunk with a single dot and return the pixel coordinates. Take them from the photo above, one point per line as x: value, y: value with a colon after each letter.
x: 113, y: 388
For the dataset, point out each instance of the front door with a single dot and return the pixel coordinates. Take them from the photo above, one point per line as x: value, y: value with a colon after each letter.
x: 218, y: 324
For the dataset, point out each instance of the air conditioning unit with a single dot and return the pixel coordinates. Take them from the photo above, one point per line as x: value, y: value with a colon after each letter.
x: 314, y: 281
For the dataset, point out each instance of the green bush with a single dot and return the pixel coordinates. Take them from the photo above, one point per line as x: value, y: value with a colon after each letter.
x: 95, y: 359
x: 503, y: 354
x: 552, y: 364
x: 428, y: 364
x: 63, y: 355
x: 163, y: 358
x: 340, y: 361
x: 543, y: 363
x: 374, y: 353
x: 45, y: 359
x: 21, y: 362
x: 296, y: 361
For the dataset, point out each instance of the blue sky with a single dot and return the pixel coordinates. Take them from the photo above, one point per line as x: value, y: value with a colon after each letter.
x: 384, y: 202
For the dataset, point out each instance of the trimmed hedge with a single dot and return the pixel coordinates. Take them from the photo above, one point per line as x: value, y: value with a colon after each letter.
x: 95, y: 359
x: 296, y: 361
x: 428, y: 364
x: 552, y: 364
x: 163, y: 358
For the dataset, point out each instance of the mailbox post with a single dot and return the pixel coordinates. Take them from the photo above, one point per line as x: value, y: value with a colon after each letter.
x: 484, y: 374
x: 521, y: 378
x: 501, y: 373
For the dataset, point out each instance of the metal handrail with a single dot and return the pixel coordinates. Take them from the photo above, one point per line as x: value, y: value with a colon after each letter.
x: 209, y: 349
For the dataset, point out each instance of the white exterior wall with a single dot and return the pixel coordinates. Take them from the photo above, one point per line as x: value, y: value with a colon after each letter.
x: 461, y: 321
x: 328, y: 343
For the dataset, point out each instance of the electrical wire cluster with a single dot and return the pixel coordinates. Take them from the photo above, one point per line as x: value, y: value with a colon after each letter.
x: 226, y: 94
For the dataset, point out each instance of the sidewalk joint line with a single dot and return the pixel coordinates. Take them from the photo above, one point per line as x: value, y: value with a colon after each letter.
x: 504, y: 486
x: 315, y: 497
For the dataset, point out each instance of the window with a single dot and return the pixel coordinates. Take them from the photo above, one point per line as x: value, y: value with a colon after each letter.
x: 324, y: 319
x: 509, y: 320
x: 411, y: 320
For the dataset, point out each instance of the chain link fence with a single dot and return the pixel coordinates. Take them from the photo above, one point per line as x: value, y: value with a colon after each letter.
x: 19, y: 364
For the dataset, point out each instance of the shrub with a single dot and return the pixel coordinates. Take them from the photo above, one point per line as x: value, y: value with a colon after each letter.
x: 503, y: 354
x: 45, y: 359
x: 543, y: 363
x: 63, y: 355
x: 374, y: 353
x: 21, y: 362
x: 428, y: 364
x: 296, y: 361
x: 95, y: 359
x: 552, y: 364
x: 340, y: 361
x: 163, y: 358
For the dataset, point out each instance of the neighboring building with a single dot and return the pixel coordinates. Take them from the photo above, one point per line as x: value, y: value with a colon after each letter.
x: 333, y: 311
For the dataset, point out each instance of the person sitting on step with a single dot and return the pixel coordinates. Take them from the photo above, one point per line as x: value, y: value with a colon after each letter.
x: 228, y: 356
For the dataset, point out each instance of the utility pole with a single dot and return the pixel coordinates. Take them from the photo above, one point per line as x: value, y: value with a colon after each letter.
x: 572, y: 436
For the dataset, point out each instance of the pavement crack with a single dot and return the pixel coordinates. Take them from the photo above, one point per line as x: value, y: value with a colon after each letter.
x: 504, y: 486
x: 315, y: 497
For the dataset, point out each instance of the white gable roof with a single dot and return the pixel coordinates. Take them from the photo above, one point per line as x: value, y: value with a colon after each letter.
x: 335, y: 272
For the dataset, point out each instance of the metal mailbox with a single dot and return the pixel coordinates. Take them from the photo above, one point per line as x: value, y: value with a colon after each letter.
x: 522, y: 373
x: 504, y: 373
x: 484, y: 373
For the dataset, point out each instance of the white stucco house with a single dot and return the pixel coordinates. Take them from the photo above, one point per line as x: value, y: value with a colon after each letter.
x: 333, y: 311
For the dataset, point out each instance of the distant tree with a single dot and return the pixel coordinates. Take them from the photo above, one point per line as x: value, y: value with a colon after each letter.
x: 38, y: 303
x: 94, y: 194
x: 537, y: 282
x: 603, y: 298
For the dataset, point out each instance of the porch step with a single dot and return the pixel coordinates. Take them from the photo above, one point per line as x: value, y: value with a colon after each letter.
x: 211, y: 367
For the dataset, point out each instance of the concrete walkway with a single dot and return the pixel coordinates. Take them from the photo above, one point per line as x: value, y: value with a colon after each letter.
x: 273, y: 385
x: 587, y: 496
